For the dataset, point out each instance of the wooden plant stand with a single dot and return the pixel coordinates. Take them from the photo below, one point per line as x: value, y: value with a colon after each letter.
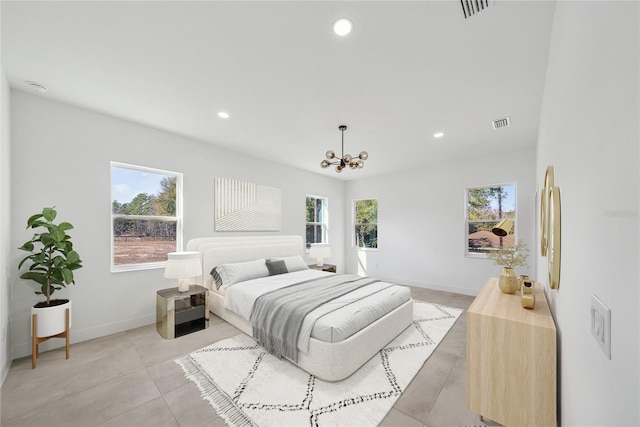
x: 35, y: 341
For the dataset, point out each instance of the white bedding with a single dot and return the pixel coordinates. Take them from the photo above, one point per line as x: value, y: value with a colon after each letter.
x: 329, y: 361
x: 332, y: 322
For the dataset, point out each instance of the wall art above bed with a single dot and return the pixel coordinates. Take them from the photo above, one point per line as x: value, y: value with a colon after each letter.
x: 245, y: 206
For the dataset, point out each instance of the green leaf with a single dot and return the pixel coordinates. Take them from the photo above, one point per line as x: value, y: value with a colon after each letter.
x: 28, y: 246
x: 49, y: 214
x: 57, y: 261
x: 39, y: 258
x: 73, y: 257
x: 46, y: 239
x: 65, y: 226
x: 67, y: 275
x: 60, y: 235
x: 33, y: 219
x: 36, y: 277
x: 75, y: 265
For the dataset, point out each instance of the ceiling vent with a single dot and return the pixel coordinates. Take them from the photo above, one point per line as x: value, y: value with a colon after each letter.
x: 471, y: 7
x: 504, y: 122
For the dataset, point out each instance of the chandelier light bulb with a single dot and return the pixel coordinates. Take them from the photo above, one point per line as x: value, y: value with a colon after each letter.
x: 360, y: 164
x: 339, y: 169
x: 325, y: 164
x: 331, y: 154
x: 347, y: 158
x: 363, y: 155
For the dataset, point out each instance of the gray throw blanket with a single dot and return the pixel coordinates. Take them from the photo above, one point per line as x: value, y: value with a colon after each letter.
x: 277, y: 316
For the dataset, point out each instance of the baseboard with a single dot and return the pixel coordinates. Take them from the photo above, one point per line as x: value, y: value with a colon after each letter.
x: 5, y: 372
x: 78, y: 335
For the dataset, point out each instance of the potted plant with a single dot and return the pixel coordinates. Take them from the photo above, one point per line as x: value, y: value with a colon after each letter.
x: 510, y: 257
x: 52, y: 262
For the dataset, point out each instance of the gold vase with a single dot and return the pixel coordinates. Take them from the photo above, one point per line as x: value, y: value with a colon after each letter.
x: 508, y: 282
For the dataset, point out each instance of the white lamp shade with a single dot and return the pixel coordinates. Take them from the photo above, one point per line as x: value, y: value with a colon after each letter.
x: 320, y: 251
x: 182, y: 265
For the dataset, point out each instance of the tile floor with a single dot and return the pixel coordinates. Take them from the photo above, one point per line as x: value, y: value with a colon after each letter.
x: 130, y: 379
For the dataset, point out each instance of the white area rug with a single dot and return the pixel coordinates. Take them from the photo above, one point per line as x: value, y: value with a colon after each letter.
x: 249, y: 387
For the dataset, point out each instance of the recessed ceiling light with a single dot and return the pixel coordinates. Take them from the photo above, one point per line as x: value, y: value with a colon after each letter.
x: 438, y: 134
x: 223, y: 115
x: 342, y: 26
x: 36, y: 86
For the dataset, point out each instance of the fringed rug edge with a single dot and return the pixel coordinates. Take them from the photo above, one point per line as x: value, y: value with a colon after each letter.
x: 209, y: 390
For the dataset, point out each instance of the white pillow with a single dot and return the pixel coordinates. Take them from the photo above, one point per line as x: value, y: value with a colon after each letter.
x: 231, y: 274
x: 293, y: 263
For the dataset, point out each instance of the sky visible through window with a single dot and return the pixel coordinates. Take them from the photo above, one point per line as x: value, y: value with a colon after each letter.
x: 128, y: 183
x: 508, y: 201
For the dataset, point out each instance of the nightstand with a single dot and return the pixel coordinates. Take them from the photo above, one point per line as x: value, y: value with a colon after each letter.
x: 180, y: 313
x: 327, y: 267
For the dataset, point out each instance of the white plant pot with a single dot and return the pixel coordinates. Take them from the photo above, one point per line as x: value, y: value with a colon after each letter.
x: 50, y: 320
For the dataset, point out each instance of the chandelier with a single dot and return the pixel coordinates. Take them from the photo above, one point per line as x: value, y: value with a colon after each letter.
x: 346, y: 159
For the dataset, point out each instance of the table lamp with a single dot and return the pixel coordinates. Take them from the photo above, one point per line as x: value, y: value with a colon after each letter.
x: 320, y: 251
x: 183, y: 266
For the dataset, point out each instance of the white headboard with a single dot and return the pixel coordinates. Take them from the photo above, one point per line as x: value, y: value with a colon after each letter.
x: 223, y: 250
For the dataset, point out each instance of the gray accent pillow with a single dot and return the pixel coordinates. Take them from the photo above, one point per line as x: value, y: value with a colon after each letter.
x: 276, y: 267
x: 293, y: 263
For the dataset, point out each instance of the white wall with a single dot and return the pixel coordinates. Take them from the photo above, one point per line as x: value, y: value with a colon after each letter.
x: 5, y: 227
x: 589, y: 133
x: 80, y: 144
x: 421, y: 214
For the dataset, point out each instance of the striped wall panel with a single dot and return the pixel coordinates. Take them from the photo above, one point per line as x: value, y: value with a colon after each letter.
x: 244, y: 206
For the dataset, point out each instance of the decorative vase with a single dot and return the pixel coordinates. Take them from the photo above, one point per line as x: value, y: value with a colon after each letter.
x: 508, y: 282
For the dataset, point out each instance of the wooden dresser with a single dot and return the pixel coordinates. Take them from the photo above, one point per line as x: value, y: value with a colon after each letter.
x: 511, y: 358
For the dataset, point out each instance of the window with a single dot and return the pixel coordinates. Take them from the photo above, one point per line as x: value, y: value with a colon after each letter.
x: 486, y: 206
x: 146, y: 216
x: 317, y: 220
x: 366, y: 223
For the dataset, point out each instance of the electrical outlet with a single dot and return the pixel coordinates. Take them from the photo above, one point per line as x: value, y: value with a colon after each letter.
x: 601, y: 324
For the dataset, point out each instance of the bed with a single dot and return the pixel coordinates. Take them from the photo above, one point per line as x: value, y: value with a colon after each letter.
x: 333, y: 350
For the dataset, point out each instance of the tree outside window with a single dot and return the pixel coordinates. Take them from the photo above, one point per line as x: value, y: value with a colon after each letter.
x: 366, y: 223
x: 317, y: 220
x: 145, y: 216
x: 486, y: 206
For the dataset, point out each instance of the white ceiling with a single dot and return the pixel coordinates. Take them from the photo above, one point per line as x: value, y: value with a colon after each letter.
x: 408, y: 70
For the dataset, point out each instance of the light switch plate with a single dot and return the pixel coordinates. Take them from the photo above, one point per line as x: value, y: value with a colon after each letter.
x: 601, y: 324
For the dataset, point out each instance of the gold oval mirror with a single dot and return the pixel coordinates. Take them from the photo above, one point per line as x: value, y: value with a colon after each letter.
x: 544, y: 210
x: 553, y: 257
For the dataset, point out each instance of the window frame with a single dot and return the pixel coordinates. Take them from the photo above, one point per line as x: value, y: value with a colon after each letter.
x: 354, y: 241
x: 324, y: 225
x: 178, y: 218
x: 483, y: 255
